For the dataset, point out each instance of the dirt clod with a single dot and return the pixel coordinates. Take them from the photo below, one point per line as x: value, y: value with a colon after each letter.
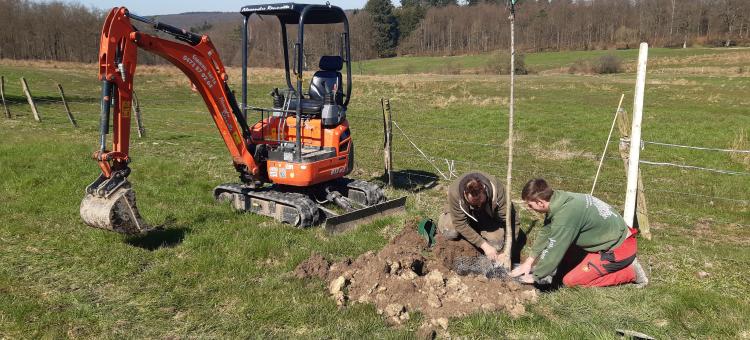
x: 406, y: 276
x: 337, y: 285
x: 426, y: 332
x: 394, y: 309
x: 442, y: 322
x: 315, y: 266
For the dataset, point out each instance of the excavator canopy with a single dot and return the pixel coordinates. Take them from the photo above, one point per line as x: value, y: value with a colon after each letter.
x: 290, y: 13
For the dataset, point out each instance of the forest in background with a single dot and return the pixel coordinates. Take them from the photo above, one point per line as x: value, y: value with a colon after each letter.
x: 70, y: 32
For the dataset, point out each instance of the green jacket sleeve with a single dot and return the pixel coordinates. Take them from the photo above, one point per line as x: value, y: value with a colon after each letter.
x: 560, y: 236
x: 540, y: 242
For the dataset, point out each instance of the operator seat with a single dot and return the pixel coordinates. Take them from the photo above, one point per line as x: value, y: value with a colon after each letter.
x: 328, y: 77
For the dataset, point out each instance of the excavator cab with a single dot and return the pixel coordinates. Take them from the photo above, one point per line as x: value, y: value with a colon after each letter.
x: 304, y: 141
x: 298, y: 17
x: 291, y: 162
x: 319, y: 105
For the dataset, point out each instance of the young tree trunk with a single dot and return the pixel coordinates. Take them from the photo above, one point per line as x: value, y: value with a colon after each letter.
x: 671, y: 21
x: 509, y: 205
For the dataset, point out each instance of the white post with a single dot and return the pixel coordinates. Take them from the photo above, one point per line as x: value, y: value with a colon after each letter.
x: 635, y: 136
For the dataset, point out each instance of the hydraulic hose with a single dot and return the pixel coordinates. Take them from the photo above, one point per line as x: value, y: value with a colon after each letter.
x: 104, y: 116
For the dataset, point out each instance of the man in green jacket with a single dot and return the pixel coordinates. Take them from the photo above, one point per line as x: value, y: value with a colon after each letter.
x: 575, y: 226
x: 476, y: 210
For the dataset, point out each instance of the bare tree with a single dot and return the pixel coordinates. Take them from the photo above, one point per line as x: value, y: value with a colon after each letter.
x: 71, y: 31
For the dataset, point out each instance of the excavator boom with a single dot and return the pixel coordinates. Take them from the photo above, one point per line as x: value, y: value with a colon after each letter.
x: 199, y: 61
x: 110, y: 202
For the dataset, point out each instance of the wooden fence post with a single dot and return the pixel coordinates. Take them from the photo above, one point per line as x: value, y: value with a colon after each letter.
x: 641, y: 213
x: 387, y: 139
x: 2, y: 95
x: 27, y: 92
x: 138, y: 120
x: 631, y: 192
x: 65, y: 104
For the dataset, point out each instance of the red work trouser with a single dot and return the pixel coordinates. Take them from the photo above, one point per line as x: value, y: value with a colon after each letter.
x: 604, y: 269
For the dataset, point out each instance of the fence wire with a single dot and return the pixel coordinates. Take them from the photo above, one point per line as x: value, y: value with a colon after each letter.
x: 696, y: 147
x: 85, y: 109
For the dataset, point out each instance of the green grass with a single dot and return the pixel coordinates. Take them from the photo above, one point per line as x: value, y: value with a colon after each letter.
x: 536, y: 62
x: 215, y: 273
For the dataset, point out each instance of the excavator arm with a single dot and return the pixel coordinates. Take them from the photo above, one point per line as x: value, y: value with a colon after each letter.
x: 197, y: 58
x: 109, y: 201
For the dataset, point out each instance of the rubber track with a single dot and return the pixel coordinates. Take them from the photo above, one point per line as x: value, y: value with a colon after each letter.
x: 306, y: 207
x: 373, y: 192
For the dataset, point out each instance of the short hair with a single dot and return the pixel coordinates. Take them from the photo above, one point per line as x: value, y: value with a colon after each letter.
x: 474, y: 187
x: 536, y: 188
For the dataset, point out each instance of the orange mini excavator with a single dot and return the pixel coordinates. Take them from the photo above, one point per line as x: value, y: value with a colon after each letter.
x: 291, y: 163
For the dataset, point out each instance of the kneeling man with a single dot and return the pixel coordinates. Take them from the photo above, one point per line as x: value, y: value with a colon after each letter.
x: 476, y: 211
x: 579, y: 226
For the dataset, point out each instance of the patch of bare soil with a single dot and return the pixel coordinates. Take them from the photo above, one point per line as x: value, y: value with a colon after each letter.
x: 446, y: 251
x: 315, y: 266
x: 406, y: 277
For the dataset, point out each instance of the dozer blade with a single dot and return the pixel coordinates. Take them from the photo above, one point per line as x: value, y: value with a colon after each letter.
x: 341, y: 223
x: 115, y: 212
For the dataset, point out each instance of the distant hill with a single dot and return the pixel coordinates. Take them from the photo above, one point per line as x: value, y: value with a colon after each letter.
x: 195, y: 19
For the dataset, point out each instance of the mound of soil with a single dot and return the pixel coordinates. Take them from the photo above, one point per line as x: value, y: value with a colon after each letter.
x: 406, y: 276
x: 315, y: 266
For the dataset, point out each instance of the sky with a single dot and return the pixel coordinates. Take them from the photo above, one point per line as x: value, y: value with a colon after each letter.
x: 157, y: 7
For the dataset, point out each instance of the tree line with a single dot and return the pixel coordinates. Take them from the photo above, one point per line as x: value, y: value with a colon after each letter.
x: 555, y: 25
x: 49, y: 31
x: 70, y: 32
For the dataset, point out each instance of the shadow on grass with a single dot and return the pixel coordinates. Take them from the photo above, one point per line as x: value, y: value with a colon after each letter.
x: 412, y: 180
x: 20, y: 99
x: 159, y: 238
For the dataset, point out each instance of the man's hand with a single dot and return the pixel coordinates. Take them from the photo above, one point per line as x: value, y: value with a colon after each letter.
x: 489, y: 250
x: 526, y: 279
x: 501, y: 259
x: 523, y: 269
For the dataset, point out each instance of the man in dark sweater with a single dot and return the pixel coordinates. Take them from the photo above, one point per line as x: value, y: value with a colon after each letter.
x: 476, y: 211
x: 575, y: 226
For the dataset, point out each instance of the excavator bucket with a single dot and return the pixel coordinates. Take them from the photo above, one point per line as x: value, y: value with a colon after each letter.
x: 114, y: 212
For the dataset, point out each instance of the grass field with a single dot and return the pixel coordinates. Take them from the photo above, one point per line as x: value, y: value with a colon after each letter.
x: 555, y: 62
x: 213, y: 273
